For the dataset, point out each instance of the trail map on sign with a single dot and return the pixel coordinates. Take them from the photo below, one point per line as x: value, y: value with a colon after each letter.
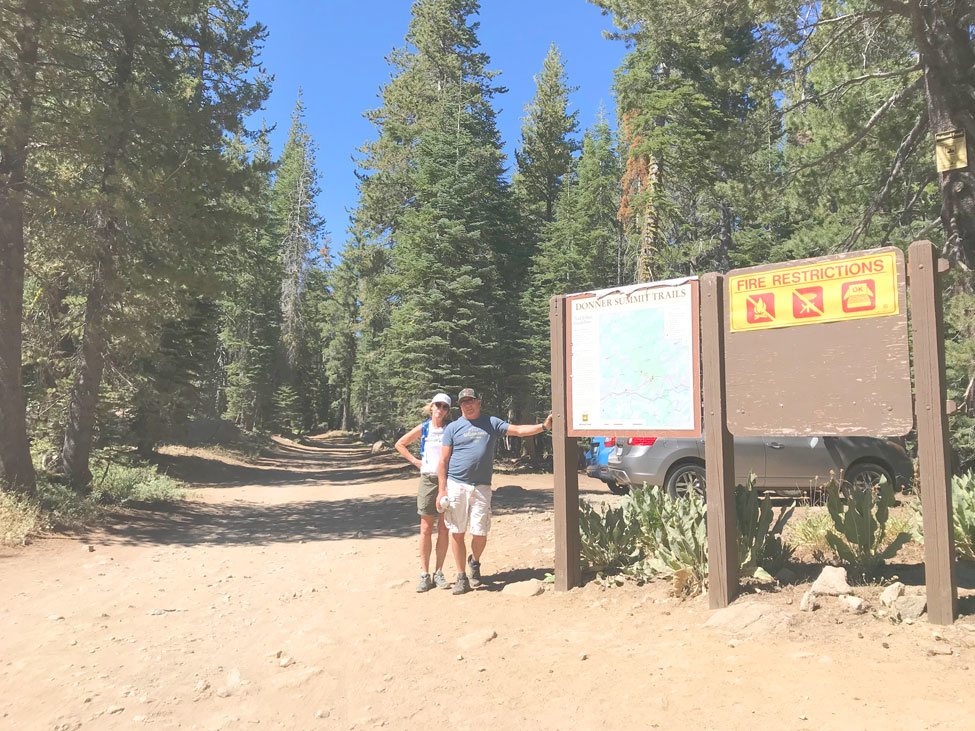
x: 633, y: 359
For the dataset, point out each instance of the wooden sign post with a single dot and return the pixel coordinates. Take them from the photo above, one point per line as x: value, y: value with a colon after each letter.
x: 568, y: 567
x: 719, y: 453
x: 932, y: 433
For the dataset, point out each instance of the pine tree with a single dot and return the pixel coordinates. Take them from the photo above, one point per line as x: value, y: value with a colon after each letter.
x: 341, y: 326
x: 298, y: 229
x: 430, y: 304
x: 442, y: 334
x: 250, y: 309
x: 24, y: 35
x: 122, y: 194
x: 544, y: 159
x: 547, y: 141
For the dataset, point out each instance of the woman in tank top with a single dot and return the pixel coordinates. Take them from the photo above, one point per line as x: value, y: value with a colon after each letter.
x: 430, y: 434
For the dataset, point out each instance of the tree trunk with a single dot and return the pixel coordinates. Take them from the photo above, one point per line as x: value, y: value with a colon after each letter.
x: 724, y: 237
x: 650, y: 237
x: 346, y: 408
x: 16, y: 467
x: 947, y: 58
x: 80, y: 428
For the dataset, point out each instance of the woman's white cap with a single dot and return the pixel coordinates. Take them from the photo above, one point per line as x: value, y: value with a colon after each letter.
x: 441, y: 398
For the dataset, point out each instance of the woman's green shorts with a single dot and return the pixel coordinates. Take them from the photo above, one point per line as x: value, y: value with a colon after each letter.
x: 426, y: 495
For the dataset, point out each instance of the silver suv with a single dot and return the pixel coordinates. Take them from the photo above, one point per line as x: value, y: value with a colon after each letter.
x: 788, y: 465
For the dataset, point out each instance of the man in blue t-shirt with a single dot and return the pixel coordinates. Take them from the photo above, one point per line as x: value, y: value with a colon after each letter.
x: 466, y: 463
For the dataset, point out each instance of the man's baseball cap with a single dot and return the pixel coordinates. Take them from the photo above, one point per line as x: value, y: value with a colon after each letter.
x: 441, y: 398
x: 466, y: 393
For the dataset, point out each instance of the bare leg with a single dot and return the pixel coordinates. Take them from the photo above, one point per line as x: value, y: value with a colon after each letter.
x: 426, y: 542
x: 459, y: 549
x: 442, y: 541
x: 477, y: 546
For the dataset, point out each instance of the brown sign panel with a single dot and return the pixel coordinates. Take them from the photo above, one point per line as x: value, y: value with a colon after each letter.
x: 819, y: 347
x: 633, y: 360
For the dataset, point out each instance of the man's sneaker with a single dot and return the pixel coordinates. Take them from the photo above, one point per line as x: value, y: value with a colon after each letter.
x: 440, y: 580
x: 426, y: 583
x: 474, y: 569
x: 462, y: 585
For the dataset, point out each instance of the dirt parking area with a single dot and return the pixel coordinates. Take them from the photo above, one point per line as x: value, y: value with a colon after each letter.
x: 282, y: 596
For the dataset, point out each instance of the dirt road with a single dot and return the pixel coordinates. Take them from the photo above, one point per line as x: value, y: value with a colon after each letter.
x: 282, y: 596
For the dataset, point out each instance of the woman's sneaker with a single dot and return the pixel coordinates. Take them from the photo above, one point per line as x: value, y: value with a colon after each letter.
x: 426, y: 583
x: 474, y: 571
x: 440, y: 580
x: 462, y: 585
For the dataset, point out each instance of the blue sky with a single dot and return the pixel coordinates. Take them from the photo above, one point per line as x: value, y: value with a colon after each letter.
x: 335, y: 51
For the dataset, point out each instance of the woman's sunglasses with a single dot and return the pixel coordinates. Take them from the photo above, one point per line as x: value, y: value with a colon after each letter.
x: 442, y: 406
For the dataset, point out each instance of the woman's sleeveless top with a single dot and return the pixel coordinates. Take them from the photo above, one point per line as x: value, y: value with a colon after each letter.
x: 430, y: 459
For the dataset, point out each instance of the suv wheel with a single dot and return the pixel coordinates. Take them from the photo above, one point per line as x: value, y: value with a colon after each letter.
x: 866, y: 476
x: 617, y: 489
x: 684, y: 479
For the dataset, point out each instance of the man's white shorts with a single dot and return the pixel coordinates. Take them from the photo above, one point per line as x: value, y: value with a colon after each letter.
x: 470, y: 508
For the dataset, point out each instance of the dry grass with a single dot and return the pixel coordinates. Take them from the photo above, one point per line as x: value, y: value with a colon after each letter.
x: 807, y: 533
x: 19, y: 519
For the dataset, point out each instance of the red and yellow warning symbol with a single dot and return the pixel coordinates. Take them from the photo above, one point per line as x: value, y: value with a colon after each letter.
x: 807, y: 302
x: 760, y: 308
x: 826, y: 290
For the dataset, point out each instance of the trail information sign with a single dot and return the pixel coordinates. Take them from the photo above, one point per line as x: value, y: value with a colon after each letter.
x: 633, y: 357
x: 830, y: 291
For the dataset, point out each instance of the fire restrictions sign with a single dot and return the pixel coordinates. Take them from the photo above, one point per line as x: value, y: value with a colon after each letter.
x: 827, y: 291
x: 859, y: 302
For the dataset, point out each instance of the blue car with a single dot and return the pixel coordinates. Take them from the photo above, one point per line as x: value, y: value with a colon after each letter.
x: 596, y: 463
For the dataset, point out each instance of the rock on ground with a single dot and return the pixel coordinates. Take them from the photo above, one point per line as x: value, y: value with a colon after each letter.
x: 891, y: 594
x: 853, y: 604
x: 831, y: 582
x: 910, y: 607
x: 747, y: 617
x: 809, y: 602
x: 532, y: 587
x: 476, y: 639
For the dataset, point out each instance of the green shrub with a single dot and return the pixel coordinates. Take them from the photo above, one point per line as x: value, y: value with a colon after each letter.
x: 645, y: 507
x: 861, y: 538
x: 963, y: 510
x: 608, y: 537
x: 760, y: 544
x: 117, y: 484
x: 682, y: 544
x: 652, y: 534
x: 672, y: 537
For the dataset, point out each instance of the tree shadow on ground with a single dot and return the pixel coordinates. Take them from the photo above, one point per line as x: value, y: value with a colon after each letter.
x: 192, y: 523
x: 345, y: 463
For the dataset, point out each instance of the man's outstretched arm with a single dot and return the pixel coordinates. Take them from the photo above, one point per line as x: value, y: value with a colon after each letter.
x: 529, y: 430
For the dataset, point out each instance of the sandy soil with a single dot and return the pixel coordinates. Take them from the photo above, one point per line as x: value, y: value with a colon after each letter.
x: 282, y: 596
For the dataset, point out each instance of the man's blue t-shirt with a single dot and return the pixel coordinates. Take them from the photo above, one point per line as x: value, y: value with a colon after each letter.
x: 472, y: 443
